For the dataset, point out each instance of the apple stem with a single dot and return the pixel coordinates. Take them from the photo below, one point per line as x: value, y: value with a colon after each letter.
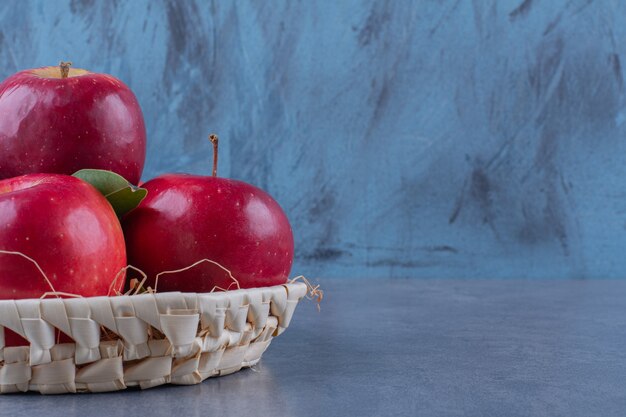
x: 214, y: 140
x: 65, y: 68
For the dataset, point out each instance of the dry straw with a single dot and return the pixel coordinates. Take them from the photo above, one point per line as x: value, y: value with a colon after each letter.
x: 141, y: 340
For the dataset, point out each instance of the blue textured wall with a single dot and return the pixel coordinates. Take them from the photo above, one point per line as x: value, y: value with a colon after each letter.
x: 475, y: 138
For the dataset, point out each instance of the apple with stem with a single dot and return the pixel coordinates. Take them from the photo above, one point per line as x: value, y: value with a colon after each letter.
x: 62, y: 119
x: 187, y: 218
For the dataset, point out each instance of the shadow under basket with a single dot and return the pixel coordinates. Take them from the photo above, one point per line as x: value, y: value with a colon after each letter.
x: 141, y: 340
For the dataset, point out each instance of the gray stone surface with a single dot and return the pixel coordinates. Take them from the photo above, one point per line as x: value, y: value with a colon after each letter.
x: 412, y: 348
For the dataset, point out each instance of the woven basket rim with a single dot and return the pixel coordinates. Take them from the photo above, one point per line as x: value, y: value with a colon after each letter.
x: 151, y: 338
x: 286, y: 284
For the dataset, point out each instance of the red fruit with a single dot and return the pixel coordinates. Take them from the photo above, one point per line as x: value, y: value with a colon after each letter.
x: 49, y: 123
x: 186, y: 218
x: 68, y: 228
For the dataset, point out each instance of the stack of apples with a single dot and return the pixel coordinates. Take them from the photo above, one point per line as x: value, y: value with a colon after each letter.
x: 72, y: 148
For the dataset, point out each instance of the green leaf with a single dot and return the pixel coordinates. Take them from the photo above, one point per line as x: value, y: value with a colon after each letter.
x: 122, y: 195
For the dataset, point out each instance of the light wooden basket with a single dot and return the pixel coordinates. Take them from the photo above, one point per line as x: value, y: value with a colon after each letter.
x: 140, y: 340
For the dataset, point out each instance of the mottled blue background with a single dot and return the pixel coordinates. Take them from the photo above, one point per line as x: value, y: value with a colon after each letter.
x: 456, y: 138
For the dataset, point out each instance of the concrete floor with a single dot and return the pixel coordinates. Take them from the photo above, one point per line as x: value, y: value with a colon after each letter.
x: 412, y: 348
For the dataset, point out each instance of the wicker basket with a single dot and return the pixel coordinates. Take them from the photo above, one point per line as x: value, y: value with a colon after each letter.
x: 140, y: 340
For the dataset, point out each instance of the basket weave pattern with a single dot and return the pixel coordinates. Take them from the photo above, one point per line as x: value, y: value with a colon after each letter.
x: 148, y: 339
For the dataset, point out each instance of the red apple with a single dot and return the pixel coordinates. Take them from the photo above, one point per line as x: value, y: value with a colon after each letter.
x: 68, y: 228
x: 61, y: 119
x: 186, y: 218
